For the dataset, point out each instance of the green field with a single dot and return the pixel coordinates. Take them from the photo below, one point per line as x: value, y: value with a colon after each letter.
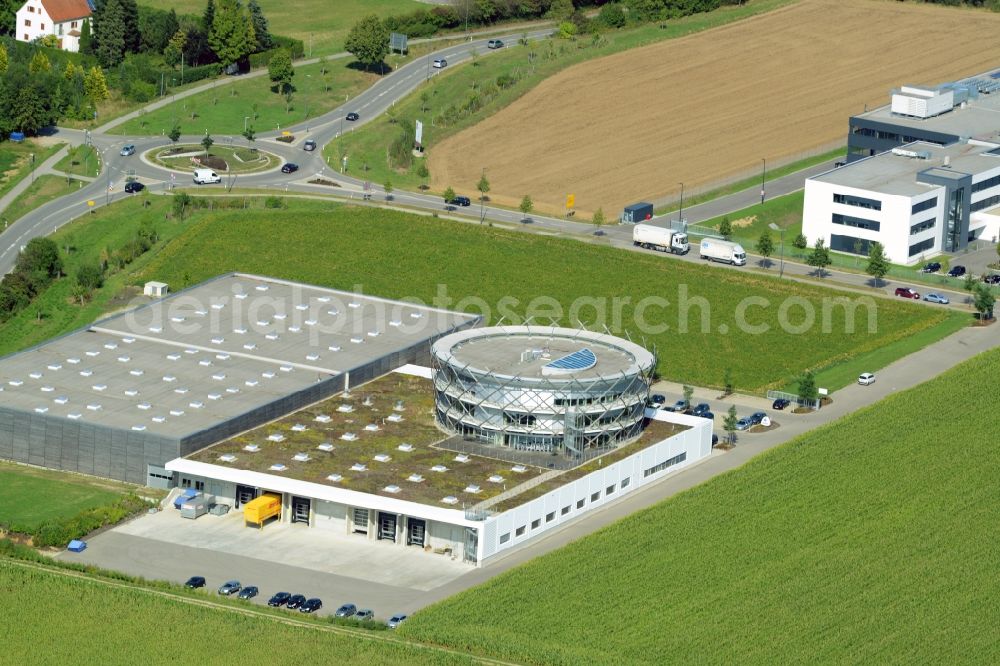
x: 60, y: 619
x: 80, y: 161
x: 29, y: 497
x: 42, y: 190
x: 872, y: 540
x: 15, y: 161
x: 316, y: 22
x: 448, y: 108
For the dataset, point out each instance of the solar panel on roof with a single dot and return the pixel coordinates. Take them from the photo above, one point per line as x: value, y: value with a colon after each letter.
x: 578, y: 360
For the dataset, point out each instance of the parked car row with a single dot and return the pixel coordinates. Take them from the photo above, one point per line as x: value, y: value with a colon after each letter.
x: 935, y: 266
x: 291, y: 601
x: 748, y: 422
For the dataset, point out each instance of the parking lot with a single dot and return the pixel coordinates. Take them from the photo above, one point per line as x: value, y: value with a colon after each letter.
x: 385, y: 577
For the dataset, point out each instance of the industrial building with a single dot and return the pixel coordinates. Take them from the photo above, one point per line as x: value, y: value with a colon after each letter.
x: 917, y: 201
x: 125, y: 395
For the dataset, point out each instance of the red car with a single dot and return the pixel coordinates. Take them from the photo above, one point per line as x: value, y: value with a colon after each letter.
x: 906, y: 292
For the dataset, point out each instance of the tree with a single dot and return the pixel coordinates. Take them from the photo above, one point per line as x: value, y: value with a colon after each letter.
x: 858, y: 247
x: 727, y: 381
x: 819, y: 258
x: 423, y: 173
x: 116, y: 31
x: 599, y: 219
x: 86, y: 38
x: 800, y: 242
x: 207, y: 142
x: 878, y: 264
x: 483, y: 186
x: 8, y: 16
x: 27, y: 110
x: 95, y: 86
x: 231, y: 36
x: 181, y: 200
x: 4, y: 59
x: 90, y: 276
x: 368, y: 41
x: 527, y: 205
x: 807, y: 387
x: 175, y: 48
x: 174, y: 133
x: 40, y: 63
x: 729, y: 424
x: 688, y: 394
x: 425, y: 99
x: 280, y: 71
x: 765, y: 246
x: 387, y: 186
x: 260, y: 27
x: 208, y: 16
x: 984, y: 301
x: 289, y: 96
x: 449, y: 195
x: 40, y: 257
x: 156, y: 29
x: 249, y: 135
x: 725, y: 227
x: 969, y: 283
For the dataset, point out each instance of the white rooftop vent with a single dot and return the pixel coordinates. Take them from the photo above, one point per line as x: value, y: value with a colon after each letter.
x: 55, y: 366
x: 334, y: 348
x: 416, y: 315
x: 323, y: 299
x: 227, y: 457
x: 218, y: 306
x: 251, y: 383
x: 177, y: 320
x: 41, y: 410
x: 124, y: 359
x: 285, y: 368
x: 450, y: 499
x: 399, y: 406
x: 251, y: 448
x: 394, y: 418
x: 140, y: 428
x: 383, y: 458
x: 177, y: 412
x: 359, y: 467
x: 302, y: 306
x: 99, y: 387
x: 74, y: 415
x: 158, y: 419
x: 215, y: 396
x: 155, y: 329
x: 73, y: 361
x: 294, y: 329
x: 301, y: 457
x: 144, y: 405
x: 83, y: 373
x: 20, y: 382
x: 310, y: 322
x: 345, y: 408
x: 35, y: 375
x: 357, y: 340
x: 472, y: 488
x: 250, y: 346
x: 93, y: 353
x: 392, y: 489
x: 439, y: 468
x: 232, y: 389
x: 298, y: 427
x: 197, y: 404
x: 322, y: 418
x: 240, y: 331
x: 219, y: 376
x: 222, y: 357
x: 325, y: 446
x: 111, y: 345
x: 60, y: 400
x: 261, y: 287
x: 173, y: 357
x: 406, y: 448
x: 94, y: 407
x: 276, y: 437
x: 415, y: 478
x: 131, y: 392
x: 349, y: 437
x: 240, y: 296
x: 334, y: 477
x: 47, y: 389
x: 128, y: 341
x: 190, y: 350
x: 354, y: 304
x: 137, y: 372
x: 169, y: 378
x: 374, y: 334
x: 155, y: 289
x: 371, y: 427
x: 312, y: 357
x: 368, y: 401
x: 272, y: 336
x: 496, y: 478
x: 278, y: 467
x: 181, y: 390
x: 204, y: 363
x: 281, y: 316
x: 333, y: 313
x: 519, y: 469
x: 913, y: 154
x: 462, y: 458
x: 395, y: 323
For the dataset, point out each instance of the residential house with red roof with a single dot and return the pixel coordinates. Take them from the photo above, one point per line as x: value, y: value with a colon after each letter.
x: 62, y: 18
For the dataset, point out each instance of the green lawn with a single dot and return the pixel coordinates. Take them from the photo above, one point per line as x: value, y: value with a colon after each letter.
x: 325, y: 23
x: 15, y: 161
x: 748, y: 224
x: 869, y: 541
x: 81, y: 161
x: 446, y: 110
x: 223, y: 109
x: 41, y: 191
x: 237, y: 158
x: 61, y: 619
x: 29, y: 497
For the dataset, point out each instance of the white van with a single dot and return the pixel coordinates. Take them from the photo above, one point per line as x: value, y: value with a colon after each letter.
x: 203, y: 176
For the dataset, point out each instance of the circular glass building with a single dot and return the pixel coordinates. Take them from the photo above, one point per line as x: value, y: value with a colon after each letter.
x: 535, y: 388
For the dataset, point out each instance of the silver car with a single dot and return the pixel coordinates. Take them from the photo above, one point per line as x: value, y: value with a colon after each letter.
x: 937, y: 298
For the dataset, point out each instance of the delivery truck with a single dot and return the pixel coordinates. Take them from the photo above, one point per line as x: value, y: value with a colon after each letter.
x: 727, y: 252
x: 256, y: 511
x: 658, y: 238
x: 637, y: 212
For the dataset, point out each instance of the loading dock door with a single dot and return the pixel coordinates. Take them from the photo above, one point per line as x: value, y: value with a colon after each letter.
x: 245, y: 494
x: 416, y: 531
x: 300, y: 510
x: 387, y: 526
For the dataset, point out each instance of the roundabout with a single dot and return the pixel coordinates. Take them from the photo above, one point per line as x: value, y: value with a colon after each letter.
x: 222, y: 159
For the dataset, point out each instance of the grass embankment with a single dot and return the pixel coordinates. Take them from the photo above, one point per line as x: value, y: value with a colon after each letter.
x: 80, y: 161
x: 398, y: 255
x: 63, y: 616
x: 55, y: 312
x: 523, y: 67
x: 30, y: 496
x: 41, y: 191
x: 15, y: 161
x: 871, y: 540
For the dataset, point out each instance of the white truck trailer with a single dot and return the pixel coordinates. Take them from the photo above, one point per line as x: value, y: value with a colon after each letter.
x: 658, y: 238
x: 715, y: 249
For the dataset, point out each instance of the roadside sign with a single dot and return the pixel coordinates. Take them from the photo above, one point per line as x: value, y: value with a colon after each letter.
x: 419, y: 135
x: 570, y: 200
x: 90, y: 203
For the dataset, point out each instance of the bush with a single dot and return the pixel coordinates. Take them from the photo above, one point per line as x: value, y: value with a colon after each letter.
x: 60, y: 532
x: 274, y: 202
x: 612, y: 15
x: 140, y: 91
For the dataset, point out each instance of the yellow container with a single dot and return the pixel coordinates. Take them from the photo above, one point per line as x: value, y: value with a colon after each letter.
x: 256, y: 511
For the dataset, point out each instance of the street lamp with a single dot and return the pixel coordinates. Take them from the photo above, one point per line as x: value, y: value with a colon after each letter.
x: 781, y: 230
x: 763, y: 173
x: 482, y: 202
x: 680, y: 213
x: 245, y: 119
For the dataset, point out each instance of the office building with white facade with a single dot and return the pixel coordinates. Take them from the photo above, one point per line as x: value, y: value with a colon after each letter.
x: 918, y: 201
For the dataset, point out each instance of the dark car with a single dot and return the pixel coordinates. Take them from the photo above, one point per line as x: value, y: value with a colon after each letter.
x: 715, y: 440
x: 249, y: 592
x: 656, y: 399
x: 195, y: 581
x: 780, y: 403
x: 347, y: 610
x: 494, y: 44
x: 289, y: 167
x: 134, y: 186
x: 701, y: 409
x: 365, y: 615
x: 311, y: 606
x: 396, y: 620
x: 279, y: 599
x: 956, y: 271
x: 992, y: 279
x: 460, y: 201
x: 906, y: 292
x: 932, y: 267
x: 295, y: 601
x: 230, y: 587
x: 309, y: 145
x: 352, y: 116
x: 757, y: 417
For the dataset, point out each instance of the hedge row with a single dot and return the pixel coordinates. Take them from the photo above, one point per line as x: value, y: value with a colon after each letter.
x: 61, y: 532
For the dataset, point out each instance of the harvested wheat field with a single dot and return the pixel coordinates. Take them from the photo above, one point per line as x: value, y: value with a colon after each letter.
x: 707, y: 107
